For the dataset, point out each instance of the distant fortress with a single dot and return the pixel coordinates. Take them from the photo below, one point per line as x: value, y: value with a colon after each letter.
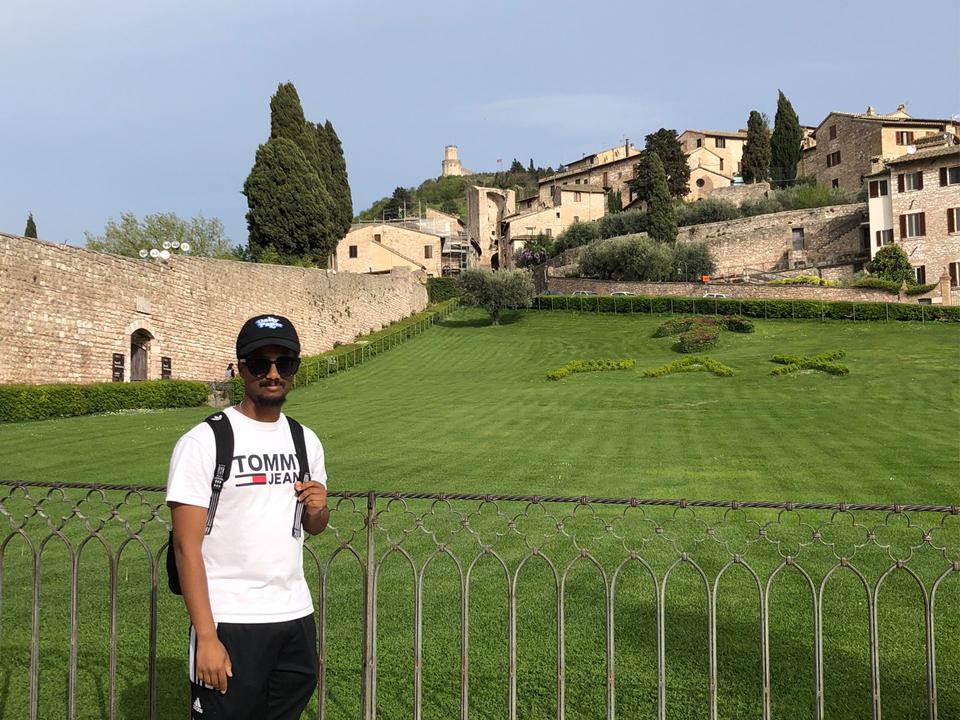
x: 451, y: 163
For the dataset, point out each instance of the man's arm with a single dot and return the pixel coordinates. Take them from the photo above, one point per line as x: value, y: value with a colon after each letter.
x: 316, y: 514
x: 213, y: 662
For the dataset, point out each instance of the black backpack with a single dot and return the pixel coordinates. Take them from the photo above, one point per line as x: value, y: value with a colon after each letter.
x: 223, y: 437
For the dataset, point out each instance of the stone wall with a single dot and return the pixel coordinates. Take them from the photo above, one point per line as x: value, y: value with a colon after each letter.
x: 831, y: 236
x: 738, y: 193
x: 65, y: 311
x: 567, y: 286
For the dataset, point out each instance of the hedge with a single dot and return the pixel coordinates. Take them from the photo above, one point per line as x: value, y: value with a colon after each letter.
x: 39, y: 402
x: 770, y: 309
x: 697, y: 339
x: 442, y: 288
x: 693, y: 363
x: 578, y: 366
x: 822, y: 362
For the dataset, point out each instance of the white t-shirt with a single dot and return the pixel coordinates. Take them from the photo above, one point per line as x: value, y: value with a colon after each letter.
x: 254, y: 564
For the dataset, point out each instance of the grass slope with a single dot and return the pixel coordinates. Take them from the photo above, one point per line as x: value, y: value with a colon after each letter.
x: 466, y: 408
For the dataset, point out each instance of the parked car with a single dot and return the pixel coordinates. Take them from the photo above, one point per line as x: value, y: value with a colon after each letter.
x: 715, y: 295
x: 621, y: 292
x: 583, y: 292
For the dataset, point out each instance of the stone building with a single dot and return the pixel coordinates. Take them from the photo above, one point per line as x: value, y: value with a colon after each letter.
x: 435, y: 244
x: 914, y: 202
x: 611, y: 169
x: 451, y: 167
x: 847, y: 147
x: 72, y: 315
x: 714, y: 158
x: 486, y: 208
x: 568, y: 204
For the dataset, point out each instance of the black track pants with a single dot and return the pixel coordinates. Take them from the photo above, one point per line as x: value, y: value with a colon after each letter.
x: 275, y: 668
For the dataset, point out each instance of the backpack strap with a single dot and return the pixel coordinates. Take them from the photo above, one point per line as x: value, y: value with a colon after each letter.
x: 223, y: 436
x: 296, y: 430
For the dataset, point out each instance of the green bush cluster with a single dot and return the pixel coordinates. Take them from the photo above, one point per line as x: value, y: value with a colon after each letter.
x: 38, y: 402
x: 675, y: 326
x: 693, y: 363
x: 805, y: 280
x: 770, y: 309
x: 637, y: 257
x: 698, y: 339
x: 871, y: 281
x: 442, y: 288
x: 579, y: 366
x: 738, y: 324
x: 824, y: 362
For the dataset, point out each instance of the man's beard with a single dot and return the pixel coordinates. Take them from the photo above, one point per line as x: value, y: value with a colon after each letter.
x: 268, y: 401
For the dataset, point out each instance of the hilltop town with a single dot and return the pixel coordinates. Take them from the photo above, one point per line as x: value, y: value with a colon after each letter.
x: 883, y: 179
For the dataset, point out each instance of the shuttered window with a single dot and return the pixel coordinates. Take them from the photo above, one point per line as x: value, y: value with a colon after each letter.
x: 913, y: 225
x: 879, y: 188
x: 950, y: 176
x: 953, y: 219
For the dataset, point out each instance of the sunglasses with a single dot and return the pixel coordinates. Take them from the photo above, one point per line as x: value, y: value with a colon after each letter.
x: 259, y: 367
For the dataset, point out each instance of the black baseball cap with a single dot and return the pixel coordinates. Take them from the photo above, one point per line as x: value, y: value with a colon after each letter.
x: 263, y: 330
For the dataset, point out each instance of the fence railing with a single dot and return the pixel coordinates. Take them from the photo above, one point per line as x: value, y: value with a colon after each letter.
x: 466, y: 605
x: 314, y: 368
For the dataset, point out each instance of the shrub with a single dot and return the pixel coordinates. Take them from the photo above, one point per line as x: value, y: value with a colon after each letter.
x: 891, y: 263
x: 693, y: 363
x: 580, y: 233
x: 822, y: 362
x: 38, y: 402
x: 921, y: 289
x: 442, y: 288
x: 578, y: 366
x: 637, y: 257
x: 805, y: 280
x: 673, y: 326
x: 697, y: 339
x: 707, y: 210
x: 738, y: 323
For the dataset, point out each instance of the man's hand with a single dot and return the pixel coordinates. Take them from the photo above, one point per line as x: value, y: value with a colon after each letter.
x: 213, y: 664
x: 313, y: 495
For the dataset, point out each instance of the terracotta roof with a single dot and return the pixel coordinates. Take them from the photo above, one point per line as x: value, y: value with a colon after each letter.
x: 719, y: 133
x: 886, y: 119
x: 936, y: 152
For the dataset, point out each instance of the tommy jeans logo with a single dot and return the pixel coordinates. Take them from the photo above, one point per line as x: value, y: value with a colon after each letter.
x: 272, y: 469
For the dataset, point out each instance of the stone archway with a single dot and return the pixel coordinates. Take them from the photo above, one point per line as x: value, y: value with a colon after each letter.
x: 139, y: 354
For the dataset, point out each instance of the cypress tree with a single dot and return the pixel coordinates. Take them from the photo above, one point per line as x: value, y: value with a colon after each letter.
x: 31, y: 229
x: 287, y: 209
x: 755, y: 164
x: 665, y: 143
x: 661, y: 219
x: 785, y: 143
x: 286, y: 114
x: 340, y: 184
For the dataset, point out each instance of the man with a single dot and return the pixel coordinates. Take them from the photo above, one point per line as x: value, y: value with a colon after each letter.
x: 253, y: 646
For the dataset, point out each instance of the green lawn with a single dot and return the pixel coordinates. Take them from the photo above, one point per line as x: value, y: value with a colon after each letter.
x: 467, y: 408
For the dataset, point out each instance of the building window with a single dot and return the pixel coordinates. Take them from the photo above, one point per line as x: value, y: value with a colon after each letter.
x: 353, y: 251
x: 910, y: 181
x: 955, y: 274
x: 700, y: 182
x: 558, y: 214
x: 953, y: 220
x: 920, y: 274
x: 576, y: 218
x: 721, y: 163
x: 699, y: 142
x: 576, y: 197
x: 913, y: 225
x: 739, y: 168
x: 548, y: 232
x: 835, y: 184
x: 720, y: 142
x: 376, y: 238
x: 798, y: 238
x: 879, y: 188
x: 833, y: 158
x: 950, y: 176
x: 833, y: 132
x: 884, y: 237
x: 428, y: 251
x: 904, y: 137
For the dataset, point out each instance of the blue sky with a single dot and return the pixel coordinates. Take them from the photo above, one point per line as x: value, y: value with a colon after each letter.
x: 156, y: 106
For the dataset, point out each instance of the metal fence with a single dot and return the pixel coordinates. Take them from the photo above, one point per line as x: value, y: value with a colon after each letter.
x: 695, y: 554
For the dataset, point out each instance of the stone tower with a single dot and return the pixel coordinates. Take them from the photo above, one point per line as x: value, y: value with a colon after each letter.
x: 451, y: 163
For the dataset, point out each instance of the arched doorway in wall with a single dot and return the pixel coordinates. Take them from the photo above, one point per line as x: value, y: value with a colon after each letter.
x: 139, y: 354
x: 495, y: 261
